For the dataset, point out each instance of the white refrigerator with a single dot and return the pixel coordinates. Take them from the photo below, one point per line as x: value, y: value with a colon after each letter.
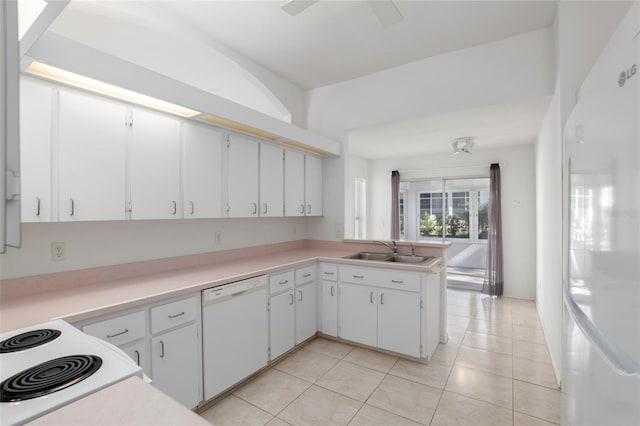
x: 601, y: 321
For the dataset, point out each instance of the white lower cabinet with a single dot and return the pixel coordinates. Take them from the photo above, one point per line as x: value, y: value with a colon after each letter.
x: 306, y: 311
x: 399, y: 321
x: 328, y: 300
x: 176, y: 364
x: 139, y: 352
x: 358, y: 314
x: 281, y: 323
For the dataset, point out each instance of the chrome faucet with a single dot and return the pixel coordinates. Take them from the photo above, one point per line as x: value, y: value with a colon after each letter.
x: 393, y: 248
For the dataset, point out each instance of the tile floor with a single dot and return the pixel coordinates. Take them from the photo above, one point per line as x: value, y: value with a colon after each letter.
x: 495, y: 370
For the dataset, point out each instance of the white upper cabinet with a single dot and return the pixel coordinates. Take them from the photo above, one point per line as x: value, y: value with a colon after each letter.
x: 92, y: 158
x: 242, y: 177
x: 35, y: 150
x: 313, y: 186
x: 154, y: 166
x: 271, y: 180
x: 294, y: 184
x: 202, y: 172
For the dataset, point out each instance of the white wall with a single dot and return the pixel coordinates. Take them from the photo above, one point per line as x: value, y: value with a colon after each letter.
x: 495, y: 73
x: 581, y: 30
x: 517, y: 168
x: 91, y: 244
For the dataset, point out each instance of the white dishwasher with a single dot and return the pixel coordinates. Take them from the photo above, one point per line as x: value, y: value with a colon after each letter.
x: 235, y: 335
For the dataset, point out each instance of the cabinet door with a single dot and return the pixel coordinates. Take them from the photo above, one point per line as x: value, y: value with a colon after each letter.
x: 35, y: 151
x: 271, y: 181
x: 358, y: 314
x: 399, y: 321
x: 313, y: 186
x: 202, y: 172
x: 176, y: 365
x: 242, y: 177
x: 139, y: 354
x: 306, y: 311
x: 330, y: 308
x: 294, y: 184
x: 154, y: 166
x: 281, y: 323
x: 92, y: 158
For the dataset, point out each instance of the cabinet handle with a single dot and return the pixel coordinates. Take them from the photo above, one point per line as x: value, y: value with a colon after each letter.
x: 255, y: 208
x: 308, y: 208
x: 283, y: 282
x: 175, y: 208
x: 332, y: 291
x: 111, y: 336
x: 37, y: 206
x: 328, y: 273
x: 137, y: 356
x: 382, y: 298
x: 73, y: 207
x: 397, y: 281
x: 161, y: 349
x: 192, y: 207
x: 301, y: 209
x: 265, y: 208
x: 291, y: 294
x: 306, y: 275
x: 371, y: 297
x: 176, y: 315
x: 358, y: 276
x: 300, y: 292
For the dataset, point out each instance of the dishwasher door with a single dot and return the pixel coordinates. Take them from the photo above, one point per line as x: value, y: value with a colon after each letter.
x: 235, y: 333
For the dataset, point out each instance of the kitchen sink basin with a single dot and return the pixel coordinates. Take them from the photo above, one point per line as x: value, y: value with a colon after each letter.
x: 389, y: 257
x: 365, y: 255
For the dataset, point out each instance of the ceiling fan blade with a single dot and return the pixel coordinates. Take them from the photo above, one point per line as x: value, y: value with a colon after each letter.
x: 293, y: 7
x: 386, y: 11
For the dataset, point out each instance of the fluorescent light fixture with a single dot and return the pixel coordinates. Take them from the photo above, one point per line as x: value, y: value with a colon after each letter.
x: 76, y: 80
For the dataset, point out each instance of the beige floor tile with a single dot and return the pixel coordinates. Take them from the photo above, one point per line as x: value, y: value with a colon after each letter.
x: 501, y: 329
x: 526, y: 320
x: 481, y: 385
x: 491, y: 362
x: 456, y: 301
x: 455, y: 321
x: 318, y: 406
x: 278, y: 422
x: 371, y: 359
x: 455, y: 335
x: 329, y: 347
x: 462, y: 294
x: 462, y: 311
x: 536, y: 401
x: 307, y: 365
x: 458, y: 410
x: 372, y: 416
x: 446, y: 353
x: 530, y: 350
x: 234, y: 411
x: 351, y: 380
x: 537, y: 373
x: 272, y: 390
x: 520, y: 419
x: 408, y: 399
x: 488, y: 342
x: 528, y: 334
x: 434, y: 373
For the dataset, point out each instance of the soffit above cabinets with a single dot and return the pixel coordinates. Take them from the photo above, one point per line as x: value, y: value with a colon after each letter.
x: 65, y: 54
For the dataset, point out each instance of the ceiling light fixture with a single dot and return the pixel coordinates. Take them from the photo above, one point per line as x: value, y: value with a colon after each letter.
x: 462, y: 145
x: 76, y: 80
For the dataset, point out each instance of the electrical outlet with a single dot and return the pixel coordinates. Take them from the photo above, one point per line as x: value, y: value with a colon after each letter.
x: 58, y: 252
x: 218, y: 237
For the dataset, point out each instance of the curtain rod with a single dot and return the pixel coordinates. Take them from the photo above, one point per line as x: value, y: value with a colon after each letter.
x: 487, y: 165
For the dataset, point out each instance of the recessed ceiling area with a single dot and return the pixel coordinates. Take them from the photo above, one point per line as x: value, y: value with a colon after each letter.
x: 491, y: 127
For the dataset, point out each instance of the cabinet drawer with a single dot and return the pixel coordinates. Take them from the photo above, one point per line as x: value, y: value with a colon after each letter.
x: 280, y: 282
x: 175, y: 313
x: 398, y: 280
x: 306, y: 275
x: 119, y: 330
x: 358, y: 275
x: 329, y: 272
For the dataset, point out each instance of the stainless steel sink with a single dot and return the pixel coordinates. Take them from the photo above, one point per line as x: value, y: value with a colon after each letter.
x: 365, y: 255
x: 409, y: 259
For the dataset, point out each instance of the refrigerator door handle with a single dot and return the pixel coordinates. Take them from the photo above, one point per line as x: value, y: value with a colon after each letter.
x: 622, y: 363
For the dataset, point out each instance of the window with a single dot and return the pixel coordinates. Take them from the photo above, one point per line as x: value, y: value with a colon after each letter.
x: 430, y: 214
x: 360, y: 223
x: 402, y: 200
x: 457, y: 224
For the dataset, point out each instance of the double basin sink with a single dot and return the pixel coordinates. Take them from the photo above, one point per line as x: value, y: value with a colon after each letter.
x: 390, y: 257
